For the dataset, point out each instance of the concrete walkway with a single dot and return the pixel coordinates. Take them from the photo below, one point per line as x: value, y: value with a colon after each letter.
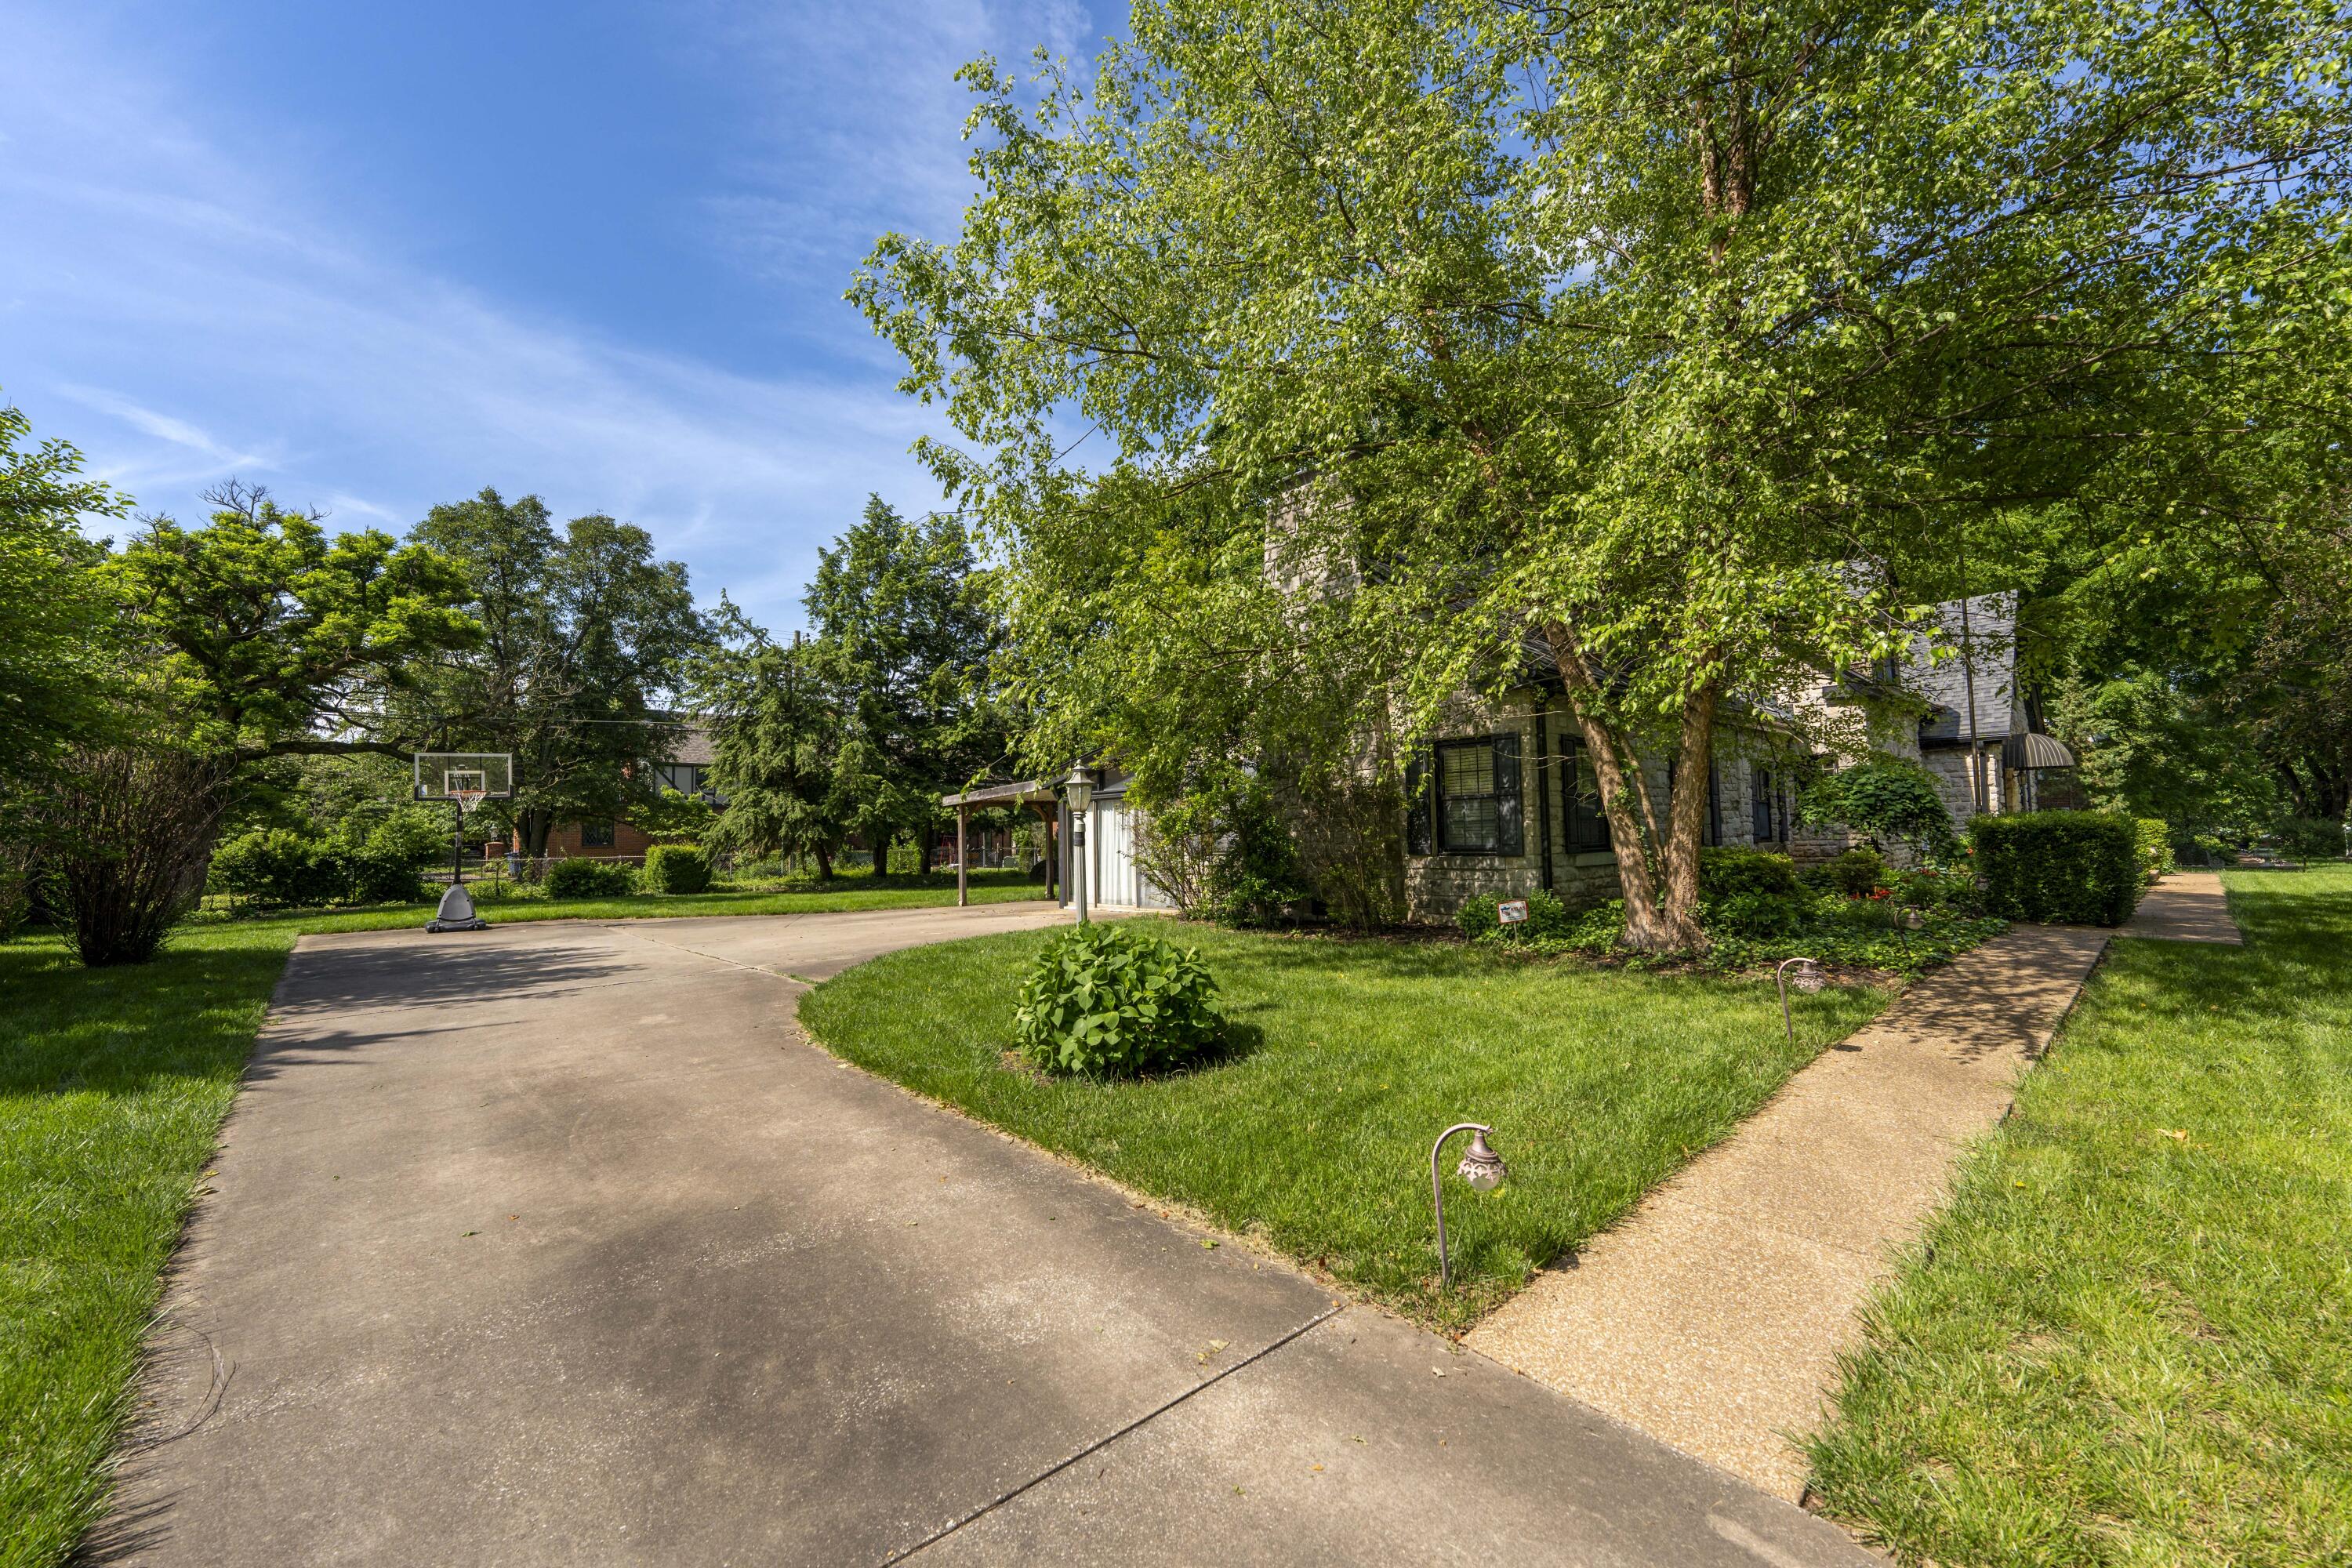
x: 1711, y: 1318
x: 557, y: 1244
x: 2186, y: 905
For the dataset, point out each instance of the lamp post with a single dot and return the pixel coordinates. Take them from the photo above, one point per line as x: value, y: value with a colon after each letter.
x: 1809, y: 980
x: 1080, y: 786
x: 1481, y: 1167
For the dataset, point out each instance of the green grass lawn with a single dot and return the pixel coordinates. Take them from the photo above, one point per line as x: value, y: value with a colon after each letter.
x: 2129, y: 1339
x: 850, y: 892
x: 1354, y: 1056
x: 112, y: 1085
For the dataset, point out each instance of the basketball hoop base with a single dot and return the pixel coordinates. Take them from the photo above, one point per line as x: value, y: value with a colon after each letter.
x: 457, y: 913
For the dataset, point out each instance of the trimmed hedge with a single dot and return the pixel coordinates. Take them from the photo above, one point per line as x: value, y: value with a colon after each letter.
x: 677, y: 869
x: 2058, y: 867
x: 2154, y: 847
x: 585, y: 878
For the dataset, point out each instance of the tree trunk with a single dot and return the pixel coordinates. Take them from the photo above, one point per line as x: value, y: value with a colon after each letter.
x: 1657, y: 861
x: 824, y: 864
x: 926, y: 847
x: 535, y: 828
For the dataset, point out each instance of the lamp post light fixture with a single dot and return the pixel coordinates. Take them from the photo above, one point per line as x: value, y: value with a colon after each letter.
x: 1809, y: 980
x: 1080, y: 787
x: 1481, y: 1167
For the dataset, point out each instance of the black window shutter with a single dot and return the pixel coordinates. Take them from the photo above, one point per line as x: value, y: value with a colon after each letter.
x: 1510, y: 832
x: 1417, y: 836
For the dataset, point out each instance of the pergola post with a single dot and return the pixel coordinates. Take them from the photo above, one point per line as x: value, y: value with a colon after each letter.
x: 963, y: 858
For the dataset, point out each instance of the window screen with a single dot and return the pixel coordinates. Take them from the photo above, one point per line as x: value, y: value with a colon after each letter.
x: 1470, y: 813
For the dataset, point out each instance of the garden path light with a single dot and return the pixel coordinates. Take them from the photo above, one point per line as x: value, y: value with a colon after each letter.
x: 1481, y: 1167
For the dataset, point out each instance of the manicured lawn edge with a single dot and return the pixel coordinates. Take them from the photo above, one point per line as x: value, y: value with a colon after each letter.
x: 1313, y: 1140
x: 2128, y: 1338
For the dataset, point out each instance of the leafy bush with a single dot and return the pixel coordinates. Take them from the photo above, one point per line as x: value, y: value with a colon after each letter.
x: 2076, y: 867
x: 2154, y: 847
x: 2309, y: 838
x: 585, y: 878
x: 677, y: 868
x: 1108, y: 1001
x: 1749, y: 893
x: 134, y: 826
x: 278, y: 868
x: 1258, y: 878
x: 1887, y: 800
x: 1481, y: 920
x: 671, y: 817
x: 1858, y: 873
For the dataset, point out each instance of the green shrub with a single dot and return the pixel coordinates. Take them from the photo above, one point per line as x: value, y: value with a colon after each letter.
x: 1481, y: 919
x: 2074, y: 868
x: 1734, y: 869
x: 2309, y: 838
x: 1886, y: 800
x: 1858, y: 873
x: 1109, y: 1001
x: 585, y: 878
x: 2154, y: 837
x: 1749, y: 893
x: 279, y: 869
x: 677, y: 868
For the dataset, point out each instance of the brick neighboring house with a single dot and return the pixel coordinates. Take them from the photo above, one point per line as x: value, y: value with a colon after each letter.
x: 687, y: 772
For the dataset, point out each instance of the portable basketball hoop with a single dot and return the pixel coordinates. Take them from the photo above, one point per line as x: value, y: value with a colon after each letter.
x: 465, y: 779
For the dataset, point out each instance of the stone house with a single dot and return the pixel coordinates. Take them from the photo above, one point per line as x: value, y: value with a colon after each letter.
x: 1503, y: 802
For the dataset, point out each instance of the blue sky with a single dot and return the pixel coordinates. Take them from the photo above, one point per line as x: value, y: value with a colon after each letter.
x: 377, y: 257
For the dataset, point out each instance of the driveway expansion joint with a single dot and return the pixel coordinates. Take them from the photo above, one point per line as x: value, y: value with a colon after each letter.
x: 1104, y: 1441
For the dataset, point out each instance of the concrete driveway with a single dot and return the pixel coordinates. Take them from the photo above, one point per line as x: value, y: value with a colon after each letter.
x: 556, y: 1244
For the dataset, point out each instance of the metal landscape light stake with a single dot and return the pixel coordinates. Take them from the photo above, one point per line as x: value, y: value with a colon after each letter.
x: 1081, y: 788
x: 1481, y: 1167
x: 1809, y: 980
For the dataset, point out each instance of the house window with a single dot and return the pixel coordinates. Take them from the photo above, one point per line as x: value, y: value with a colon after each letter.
x: 597, y: 834
x: 1465, y: 799
x: 1588, y: 824
x: 1760, y: 805
x: 1469, y: 808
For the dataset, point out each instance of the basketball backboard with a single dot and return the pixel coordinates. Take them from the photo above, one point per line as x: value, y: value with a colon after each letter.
x: 467, y: 778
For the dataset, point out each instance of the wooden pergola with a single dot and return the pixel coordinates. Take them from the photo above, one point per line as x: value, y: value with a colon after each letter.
x: 1036, y: 794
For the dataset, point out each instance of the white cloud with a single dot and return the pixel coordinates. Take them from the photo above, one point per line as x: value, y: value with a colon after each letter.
x: 183, y: 308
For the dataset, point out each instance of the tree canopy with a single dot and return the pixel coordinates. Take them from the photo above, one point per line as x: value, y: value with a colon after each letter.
x: 1693, y: 340
x: 901, y: 609
x: 585, y: 636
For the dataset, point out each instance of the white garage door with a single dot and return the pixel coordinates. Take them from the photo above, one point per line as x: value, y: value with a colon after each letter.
x: 1111, y: 849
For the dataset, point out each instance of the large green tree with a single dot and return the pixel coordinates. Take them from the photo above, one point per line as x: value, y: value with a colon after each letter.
x: 57, y: 623
x: 1689, y: 339
x: 275, y: 637
x: 778, y: 726
x: 585, y: 637
x: 902, y: 612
